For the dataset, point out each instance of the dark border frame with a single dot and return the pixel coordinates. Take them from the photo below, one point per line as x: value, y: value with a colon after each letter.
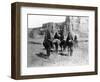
x: 15, y: 40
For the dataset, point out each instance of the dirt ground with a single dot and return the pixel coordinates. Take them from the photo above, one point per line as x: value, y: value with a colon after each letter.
x: 36, y: 55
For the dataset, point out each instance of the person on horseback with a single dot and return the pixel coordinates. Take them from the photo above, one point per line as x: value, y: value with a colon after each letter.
x: 56, y: 36
x: 69, y: 42
x: 75, y: 41
x: 61, y: 35
x: 47, y: 42
x: 62, y: 41
x: 56, y: 40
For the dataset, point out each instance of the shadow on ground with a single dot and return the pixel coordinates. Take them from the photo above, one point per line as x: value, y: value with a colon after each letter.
x: 63, y: 54
x: 42, y: 55
x: 32, y: 42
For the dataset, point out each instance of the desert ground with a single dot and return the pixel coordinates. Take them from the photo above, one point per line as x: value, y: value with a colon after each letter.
x: 36, y: 55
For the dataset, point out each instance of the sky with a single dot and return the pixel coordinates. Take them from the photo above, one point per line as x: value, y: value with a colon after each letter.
x: 35, y: 21
x: 38, y: 20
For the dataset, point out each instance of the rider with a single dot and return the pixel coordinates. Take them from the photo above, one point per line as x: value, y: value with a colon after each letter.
x: 56, y: 40
x: 69, y: 42
x: 62, y: 41
x: 75, y: 41
x: 47, y: 42
x: 56, y: 36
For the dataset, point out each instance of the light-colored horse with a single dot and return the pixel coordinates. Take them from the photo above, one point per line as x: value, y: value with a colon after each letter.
x: 56, y: 42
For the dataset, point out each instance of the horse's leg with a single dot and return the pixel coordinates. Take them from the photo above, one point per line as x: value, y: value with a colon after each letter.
x: 77, y: 43
x: 52, y: 44
x: 48, y: 52
x: 68, y: 50
x: 61, y: 47
x: 65, y: 46
x: 71, y: 51
x: 56, y: 45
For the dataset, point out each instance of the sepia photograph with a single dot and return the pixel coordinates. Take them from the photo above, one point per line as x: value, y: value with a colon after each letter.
x: 57, y: 40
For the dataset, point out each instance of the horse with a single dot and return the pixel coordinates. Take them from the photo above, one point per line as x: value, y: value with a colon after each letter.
x: 69, y: 43
x: 47, y: 43
x: 75, y: 41
x: 56, y: 41
x: 62, y: 42
x: 63, y: 45
x: 59, y: 41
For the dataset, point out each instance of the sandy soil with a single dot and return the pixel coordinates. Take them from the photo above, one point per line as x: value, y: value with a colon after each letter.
x: 36, y: 55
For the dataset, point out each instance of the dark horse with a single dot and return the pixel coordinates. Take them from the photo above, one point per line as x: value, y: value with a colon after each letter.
x: 62, y: 41
x: 56, y: 41
x: 69, y: 43
x: 59, y: 41
x: 47, y: 43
